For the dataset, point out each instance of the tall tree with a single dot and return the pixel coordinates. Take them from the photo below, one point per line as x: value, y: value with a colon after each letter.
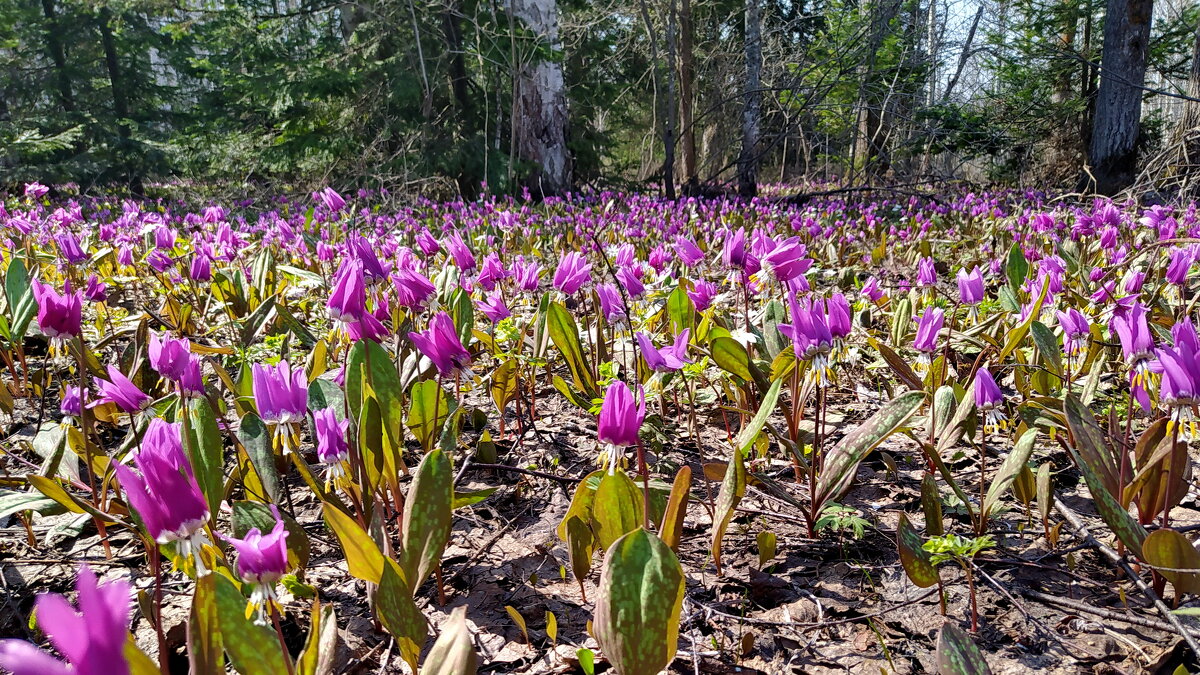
x: 1117, y: 122
x: 747, y: 171
x: 687, y: 75
x: 540, y: 104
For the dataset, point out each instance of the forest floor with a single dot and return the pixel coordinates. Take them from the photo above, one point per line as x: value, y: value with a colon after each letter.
x: 836, y: 604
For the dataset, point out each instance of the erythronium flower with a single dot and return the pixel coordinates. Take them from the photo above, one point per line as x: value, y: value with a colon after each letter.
x: 440, y: 344
x: 689, y: 254
x: 620, y: 419
x: 348, y: 299
x: 702, y: 294
x: 611, y: 304
x: 332, y: 448
x: 493, y: 308
x: 92, y: 640
x: 69, y: 249
x: 164, y: 492
x: 838, y: 310
x: 1136, y: 341
x: 413, y: 290
x: 36, y: 190
x: 460, y: 253
x: 59, y: 315
x: 666, y: 359
x: 573, y: 272
x: 427, y: 242
x: 201, y: 268
x: 72, y: 402
x: 928, y: 327
x: 872, y: 291
x: 168, y: 355
x: 491, y: 272
x: 970, y: 290
x: 811, y: 339
x: 1076, y: 330
x: 927, y: 276
x: 1181, y: 259
x: 786, y: 261
x: 631, y: 282
x: 525, y: 274
x: 96, y: 290
x: 262, y: 560
x: 119, y: 390
x: 330, y: 199
x: 281, y: 395
x: 1180, y: 389
x: 990, y: 400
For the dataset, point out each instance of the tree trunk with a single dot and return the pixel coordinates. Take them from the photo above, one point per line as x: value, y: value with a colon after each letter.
x: 120, y: 95
x: 58, y: 55
x: 1117, y: 125
x: 1190, y: 119
x: 752, y: 103
x: 672, y: 109
x: 687, y: 73
x: 540, y: 106
x: 468, y: 181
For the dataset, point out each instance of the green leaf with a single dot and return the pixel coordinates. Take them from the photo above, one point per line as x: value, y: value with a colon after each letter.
x: 22, y: 304
x: 427, y: 517
x: 453, y: 653
x: 14, y: 502
x: 252, y: 649
x: 203, y: 631
x: 564, y: 332
x: 931, y: 505
x: 580, y: 547
x: 504, y: 384
x: 640, y: 598
x: 206, y: 450
x: 1017, y: 335
x: 256, y: 439
x: 469, y: 498
x: 731, y: 356
x: 399, y: 614
x: 1016, y: 269
x: 918, y: 563
x: 324, y: 394
x: 1168, y: 548
x: 745, y: 439
x: 321, y: 645
x: 581, y: 502
x: 773, y: 341
x: 901, y: 321
x: 672, y: 522
x: 1090, y: 444
x: 519, y: 620
x: 766, y: 542
x: 257, y: 319
x: 427, y: 396
x: 1111, y: 511
x: 1047, y: 345
x: 681, y: 311
x: 842, y: 460
x: 733, y: 488
x: 363, y: 558
x: 1008, y: 471
x: 617, y: 509
x: 957, y: 654
x: 247, y: 514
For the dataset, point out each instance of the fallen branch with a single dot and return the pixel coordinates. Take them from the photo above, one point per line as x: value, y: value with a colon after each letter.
x: 473, y: 466
x: 1081, y: 530
x: 1083, y: 608
x: 816, y: 625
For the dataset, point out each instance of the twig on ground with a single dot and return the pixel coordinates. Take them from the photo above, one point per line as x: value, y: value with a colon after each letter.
x: 528, y: 472
x: 816, y: 625
x: 1075, y: 605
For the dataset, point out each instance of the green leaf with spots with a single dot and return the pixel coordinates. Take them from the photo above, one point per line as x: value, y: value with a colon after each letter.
x: 399, y: 614
x: 617, y: 509
x: 427, y: 517
x: 640, y: 598
x: 918, y: 563
x: 252, y: 649
x: 957, y: 654
x: 733, y: 488
x: 206, y: 450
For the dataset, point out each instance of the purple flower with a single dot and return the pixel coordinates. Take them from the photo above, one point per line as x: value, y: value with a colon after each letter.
x: 989, y: 399
x: 168, y: 355
x: 69, y: 250
x: 201, y: 268
x: 621, y: 416
x: 1076, y: 329
x: 280, y: 392
x: 262, y: 558
x: 733, y: 251
x: 928, y: 327
x: 373, y: 269
x: 36, y: 190
x: 348, y: 299
x: 191, y: 382
x: 493, y: 308
x: 491, y: 272
x: 573, y: 272
x: 164, y: 238
x: 970, y: 286
x: 427, y: 242
x: 330, y: 199
x: 1137, y: 343
x: 92, y: 639
x: 460, y: 252
x: 59, y: 316
x: 440, y: 344
x: 871, y: 290
x: 413, y: 290
x: 702, y: 294
x: 926, y: 273
x: 838, y: 310
x: 332, y: 448
x: 161, y: 262
x: 525, y: 274
x: 164, y: 491
x: 786, y: 261
x: 687, y: 250
x: 668, y: 358
x: 1181, y: 259
x: 119, y: 390
x: 611, y: 304
x: 811, y: 338
x: 631, y: 282
x: 96, y: 290
x: 72, y: 402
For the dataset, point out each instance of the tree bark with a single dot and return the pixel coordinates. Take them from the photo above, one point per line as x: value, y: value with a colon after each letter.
x: 752, y: 103
x: 687, y: 74
x: 1190, y: 119
x: 1117, y: 124
x: 540, y: 106
x: 58, y: 55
